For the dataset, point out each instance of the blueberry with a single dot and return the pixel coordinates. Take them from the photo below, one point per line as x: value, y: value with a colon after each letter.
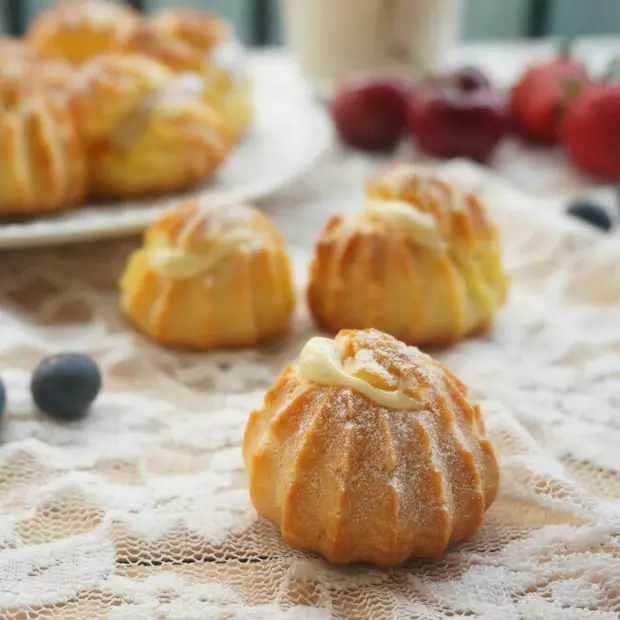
x: 65, y: 385
x: 591, y: 212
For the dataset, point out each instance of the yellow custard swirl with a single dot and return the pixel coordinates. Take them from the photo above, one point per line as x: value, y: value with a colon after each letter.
x: 185, y: 87
x: 319, y: 362
x: 420, y: 227
x: 179, y: 263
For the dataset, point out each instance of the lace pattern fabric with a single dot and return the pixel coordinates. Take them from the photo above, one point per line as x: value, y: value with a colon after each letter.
x: 141, y: 510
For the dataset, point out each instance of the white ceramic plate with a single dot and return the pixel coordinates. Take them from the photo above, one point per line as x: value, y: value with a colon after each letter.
x: 287, y: 137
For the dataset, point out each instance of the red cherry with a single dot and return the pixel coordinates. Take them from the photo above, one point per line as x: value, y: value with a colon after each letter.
x: 449, y: 122
x: 370, y: 113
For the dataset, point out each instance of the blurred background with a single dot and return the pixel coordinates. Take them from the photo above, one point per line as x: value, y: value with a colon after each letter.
x: 258, y: 23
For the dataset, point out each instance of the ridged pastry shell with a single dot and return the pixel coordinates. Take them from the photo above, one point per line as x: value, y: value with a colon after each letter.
x: 210, y: 275
x: 186, y: 39
x: 51, y: 73
x: 13, y: 49
x: 42, y: 161
x: 369, y: 451
x: 146, y: 129
x: 421, y: 261
x: 79, y: 30
x: 54, y: 75
x: 180, y: 38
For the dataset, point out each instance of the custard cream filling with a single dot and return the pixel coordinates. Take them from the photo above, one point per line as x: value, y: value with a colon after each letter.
x: 179, y: 263
x: 230, y: 57
x: 184, y: 87
x: 419, y: 227
x: 319, y: 362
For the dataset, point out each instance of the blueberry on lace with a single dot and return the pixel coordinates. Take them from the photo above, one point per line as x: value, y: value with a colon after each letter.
x: 65, y: 385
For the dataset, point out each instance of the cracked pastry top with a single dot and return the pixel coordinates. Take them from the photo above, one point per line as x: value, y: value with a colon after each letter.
x: 146, y: 129
x: 52, y: 73
x: 79, y: 30
x: 369, y: 450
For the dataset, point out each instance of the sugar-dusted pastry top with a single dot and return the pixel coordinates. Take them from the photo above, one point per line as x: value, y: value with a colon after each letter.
x: 146, y: 128
x: 78, y: 30
x: 383, y: 369
x: 230, y: 57
x: 182, y: 38
x: 51, y: 72
x: 115, y: 95
x: 441, y: 214
x: 54, y: 74
x: 12, y: 49
x: 24, y: 95
x: 101, y: 13
x: 199, y: 29
x: 192, y: 239
x: 109, y: 93
x: 320, y: 361
x: 190, y: 40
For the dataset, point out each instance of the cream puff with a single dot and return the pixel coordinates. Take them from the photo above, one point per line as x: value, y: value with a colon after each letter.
x: 42, y: 159
x: 421, y: 261
x: 210, y: 275
x: 146, y: 129
x: 368, y: 450
x: 190, y: 40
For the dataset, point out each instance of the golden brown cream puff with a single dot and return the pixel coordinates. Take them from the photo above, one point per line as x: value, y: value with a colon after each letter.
x: 210, y: 275
x: 421, y: 261
x: 368, y: 450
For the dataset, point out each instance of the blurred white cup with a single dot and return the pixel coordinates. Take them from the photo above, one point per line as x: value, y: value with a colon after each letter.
x: 333, y: 38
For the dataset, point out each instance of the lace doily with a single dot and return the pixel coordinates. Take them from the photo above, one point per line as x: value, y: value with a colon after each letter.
x: 141, y: 510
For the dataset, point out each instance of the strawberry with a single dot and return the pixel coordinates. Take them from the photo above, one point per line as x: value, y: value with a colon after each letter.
x: 370, y: 112
x: 540, y: 98
x: 590, y: 130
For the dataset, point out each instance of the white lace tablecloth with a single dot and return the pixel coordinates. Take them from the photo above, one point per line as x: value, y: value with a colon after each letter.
x: 141, y: 510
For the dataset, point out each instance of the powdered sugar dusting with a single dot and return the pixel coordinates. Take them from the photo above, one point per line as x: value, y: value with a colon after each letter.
x: 215, y: 216
x: 231, y: 57
x: 390, y: 362
x: 425, y: 182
